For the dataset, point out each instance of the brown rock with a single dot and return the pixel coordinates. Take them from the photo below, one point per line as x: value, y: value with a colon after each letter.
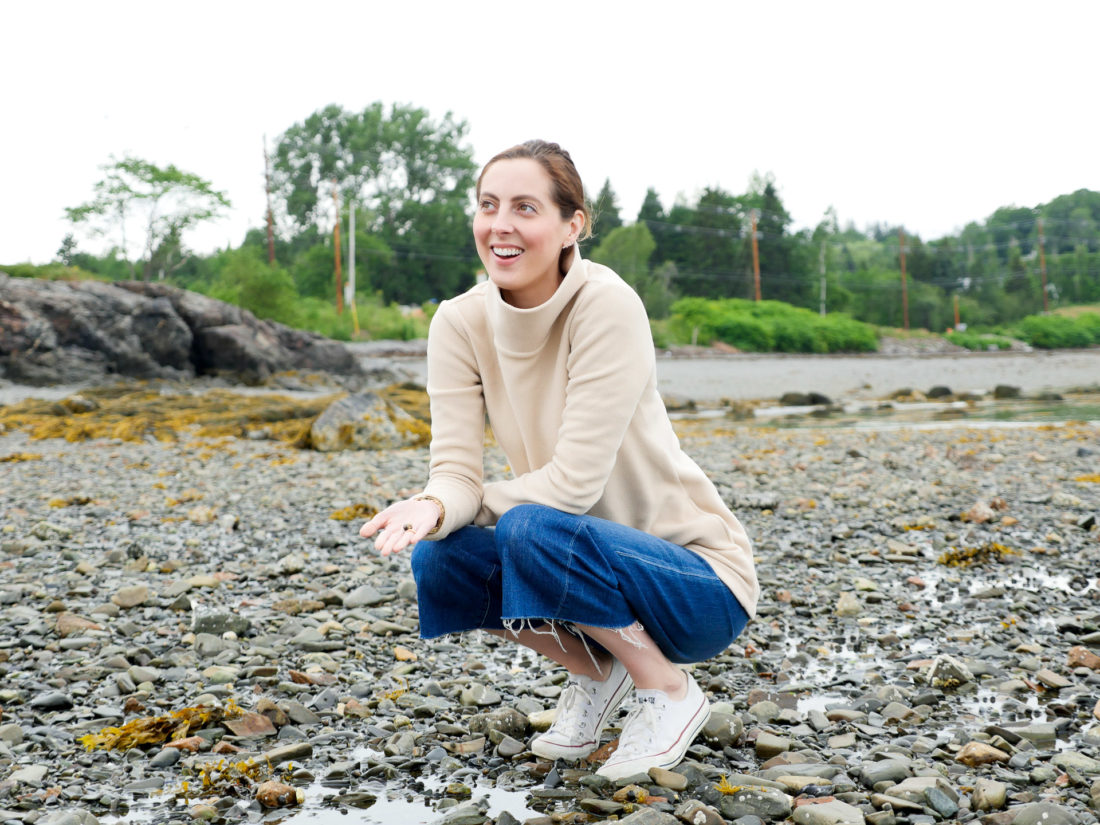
x: 278, y: 795
x: 224, y: 747
x: 251, y: 726
x: 1052, y: 680
x: 403, y: 654
x: 475, y: 745
x: 70, y: 623
x: 1079, y: 657
x: 272, y: 711
x: 979, y: 753
x: 356, y: 709
x: 191, y: 743
x: 1096, y: 710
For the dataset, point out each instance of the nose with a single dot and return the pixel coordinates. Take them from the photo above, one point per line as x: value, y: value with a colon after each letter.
x: 502, y: 223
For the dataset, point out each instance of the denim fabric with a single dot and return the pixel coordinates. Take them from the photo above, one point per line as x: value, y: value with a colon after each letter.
x: 541, y: 563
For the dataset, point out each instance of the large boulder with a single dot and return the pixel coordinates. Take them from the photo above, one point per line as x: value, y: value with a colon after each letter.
x: 366, y: 422
x: 70, y: 331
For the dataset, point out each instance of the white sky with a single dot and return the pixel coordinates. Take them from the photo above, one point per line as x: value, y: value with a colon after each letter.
x: 928, y: 114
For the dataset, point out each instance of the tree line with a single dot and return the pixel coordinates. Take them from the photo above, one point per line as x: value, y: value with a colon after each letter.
x: 410, y: 178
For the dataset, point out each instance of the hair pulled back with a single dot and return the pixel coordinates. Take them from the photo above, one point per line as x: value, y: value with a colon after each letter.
x: 565, y: 182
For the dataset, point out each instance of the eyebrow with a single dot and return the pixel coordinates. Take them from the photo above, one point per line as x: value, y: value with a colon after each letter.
x: 534, y: 198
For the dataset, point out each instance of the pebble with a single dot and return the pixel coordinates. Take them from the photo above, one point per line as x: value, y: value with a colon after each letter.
x: 964, y: 673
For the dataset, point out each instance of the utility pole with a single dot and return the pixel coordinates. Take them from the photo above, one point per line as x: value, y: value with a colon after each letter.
x: 904, y: 285
x: 270, y: 218
x: 336, y: 241
x: 1043, y: 267
x: 956, y: 297
x: 350, y: 289
x: 755, y: 258
x: 821, y: 269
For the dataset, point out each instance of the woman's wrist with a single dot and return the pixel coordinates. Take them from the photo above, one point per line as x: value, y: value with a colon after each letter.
x: 442, y: 512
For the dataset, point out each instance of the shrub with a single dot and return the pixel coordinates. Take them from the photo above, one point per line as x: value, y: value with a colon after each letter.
x: 1053, y: 332
x: 745, y: 332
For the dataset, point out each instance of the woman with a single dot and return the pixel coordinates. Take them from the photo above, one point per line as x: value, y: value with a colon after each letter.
x: 609, y: 551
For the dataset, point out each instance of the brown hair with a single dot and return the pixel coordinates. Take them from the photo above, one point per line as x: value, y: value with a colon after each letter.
x: 565, y: 182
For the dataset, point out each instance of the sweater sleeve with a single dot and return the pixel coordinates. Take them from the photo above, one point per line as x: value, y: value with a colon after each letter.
x: 458, y: 424
x: 610, y: 363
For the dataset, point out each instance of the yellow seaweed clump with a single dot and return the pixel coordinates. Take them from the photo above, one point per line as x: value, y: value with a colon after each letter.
x: 153, y: 730
x: 354, y: 512
x: 969, y: 556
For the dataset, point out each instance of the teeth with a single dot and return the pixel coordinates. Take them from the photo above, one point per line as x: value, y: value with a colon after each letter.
x: 507, y: 252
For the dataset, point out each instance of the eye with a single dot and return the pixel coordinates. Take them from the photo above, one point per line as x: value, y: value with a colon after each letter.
x: 526, y: 208
x: 486, y: 206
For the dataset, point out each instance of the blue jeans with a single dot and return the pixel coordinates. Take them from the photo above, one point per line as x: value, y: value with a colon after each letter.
x: 541, y: 563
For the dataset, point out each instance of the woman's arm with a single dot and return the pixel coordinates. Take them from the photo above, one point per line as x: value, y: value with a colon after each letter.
x: 453, y: 495
x: 458, y: 422
x: 610, y: 363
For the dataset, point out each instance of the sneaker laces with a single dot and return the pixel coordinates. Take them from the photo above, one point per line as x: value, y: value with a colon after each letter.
x: 638, y: 732
x: 569, y: 722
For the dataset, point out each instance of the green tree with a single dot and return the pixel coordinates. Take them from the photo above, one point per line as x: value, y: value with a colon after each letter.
x: 162, y: 202
x: 605, y: 214
x: 410, y: 177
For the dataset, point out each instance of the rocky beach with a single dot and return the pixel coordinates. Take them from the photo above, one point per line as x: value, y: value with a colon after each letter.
x: 192, y: 630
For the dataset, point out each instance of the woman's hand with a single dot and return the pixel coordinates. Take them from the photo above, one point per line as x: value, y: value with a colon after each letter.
x: 401, y: 525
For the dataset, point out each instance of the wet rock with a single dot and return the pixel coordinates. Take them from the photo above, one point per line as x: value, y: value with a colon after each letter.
x: 988, y: 795
x: 723, y: 729
x: 974, y: 754
x: 769, y: 745
x: 216, y: 623
x: 696, y: 813
x: 277, y: 795
x: 1044, y: 813
x: 948, y: 672
x: 766, y: 803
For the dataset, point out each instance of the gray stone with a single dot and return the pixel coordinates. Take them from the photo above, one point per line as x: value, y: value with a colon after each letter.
x: 769, y: 745
x: 289, y: 753
x: 11, y: 734
x: 1044, y: 813
x: 1067, y: 760
x: 947, y: 672
x: 166, y: 758
x: 30, y: 775
x: 833, y: 812
x: 695, y: 812
x: 218, y: 622
x: 363, y: 596
x: 765, y: 803
x: 885, y: 770
x: 649, y: 816
x: 723, y: 729
x: 54, y: 700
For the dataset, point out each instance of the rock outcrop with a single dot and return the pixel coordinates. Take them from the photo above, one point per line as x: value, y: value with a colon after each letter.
x: 69, y: 331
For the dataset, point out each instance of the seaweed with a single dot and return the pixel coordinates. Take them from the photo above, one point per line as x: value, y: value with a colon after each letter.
x: 155, y: 730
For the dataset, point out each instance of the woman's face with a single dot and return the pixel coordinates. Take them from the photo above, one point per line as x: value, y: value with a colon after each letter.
x: 520, y: 233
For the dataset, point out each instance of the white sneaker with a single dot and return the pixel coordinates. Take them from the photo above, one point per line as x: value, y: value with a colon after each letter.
x: 658, y: 732
x: 584, y: 708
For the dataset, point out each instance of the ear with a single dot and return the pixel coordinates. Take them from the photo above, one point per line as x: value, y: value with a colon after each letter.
x: 576, y: 226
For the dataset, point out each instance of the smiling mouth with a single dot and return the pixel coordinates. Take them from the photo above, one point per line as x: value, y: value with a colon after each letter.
x: 507, y: 251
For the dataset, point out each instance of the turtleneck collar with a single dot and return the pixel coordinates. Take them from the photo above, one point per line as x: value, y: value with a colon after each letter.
x: 519, y: 332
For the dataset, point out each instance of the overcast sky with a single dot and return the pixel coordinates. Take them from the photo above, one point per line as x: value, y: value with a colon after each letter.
x: 927, y: 114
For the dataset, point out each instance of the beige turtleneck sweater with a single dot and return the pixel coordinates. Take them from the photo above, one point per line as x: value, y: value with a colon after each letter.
x: 570, y: 389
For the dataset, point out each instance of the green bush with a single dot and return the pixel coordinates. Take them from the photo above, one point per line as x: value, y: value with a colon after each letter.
x: 746, y: 332
x: 767, y: 326
x: 978, y: 341
x: 1090, y: 323
x: 1054, y: 332
x: 49, y: 272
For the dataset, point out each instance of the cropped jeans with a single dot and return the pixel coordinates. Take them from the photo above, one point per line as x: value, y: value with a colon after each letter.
x: 543, y: 565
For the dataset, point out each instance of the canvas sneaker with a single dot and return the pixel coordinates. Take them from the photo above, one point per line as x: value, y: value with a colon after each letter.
x: 658, y: 732
x: 584, y: 709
